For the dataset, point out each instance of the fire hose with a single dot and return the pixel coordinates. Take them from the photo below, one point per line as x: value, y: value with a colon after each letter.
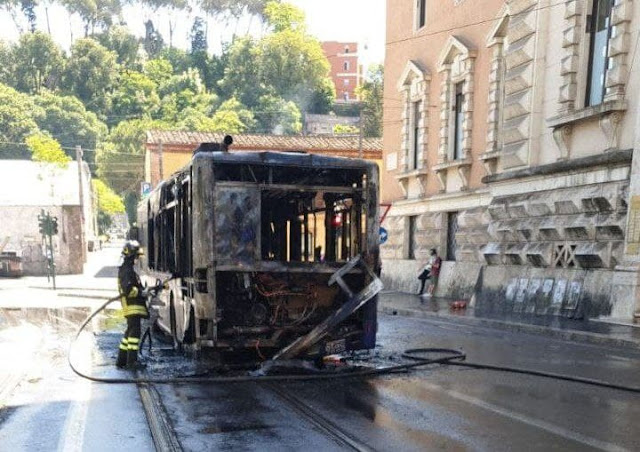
x: 416, y: 355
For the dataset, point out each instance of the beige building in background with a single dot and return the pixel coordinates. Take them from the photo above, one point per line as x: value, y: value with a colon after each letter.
x: 510, y: 128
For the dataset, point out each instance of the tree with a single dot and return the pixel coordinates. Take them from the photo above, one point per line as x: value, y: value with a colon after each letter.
x: 109, y: 203
x: 345, y: 129
x: 287, y: 63
x: 158, y: 70
x: 371, y: 93
x: 179, y: 59
x: 153, y: 42
x: 18, y: 116
x: 120, y: 159
x: 90, y: 74
x: 66, y: 119
x: 242, y: 74
x: 45, y: 149
x: 126, y: 46
x: 284, y: 16
x: 322, y: 98
x: 134, y: 97
x: 28, y: 8
x: 198, y: 36
x: 94, y: 13
x: 6, y: 63
x: 37, y: 63
x: 275, y: 115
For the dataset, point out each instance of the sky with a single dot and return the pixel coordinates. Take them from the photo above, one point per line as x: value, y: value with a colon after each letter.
x: 362, y: 21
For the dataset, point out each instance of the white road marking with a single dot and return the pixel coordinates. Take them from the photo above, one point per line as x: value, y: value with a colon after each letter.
x: 72, y: 435
x: 551, y: 428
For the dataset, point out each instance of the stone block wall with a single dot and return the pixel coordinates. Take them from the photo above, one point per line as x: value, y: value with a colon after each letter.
x: 580, y: 227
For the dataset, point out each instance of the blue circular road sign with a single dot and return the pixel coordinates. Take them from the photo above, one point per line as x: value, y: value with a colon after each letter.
x: 384, y: 235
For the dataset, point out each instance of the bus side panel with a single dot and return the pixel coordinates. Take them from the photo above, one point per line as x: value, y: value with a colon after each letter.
x: 203, y: 239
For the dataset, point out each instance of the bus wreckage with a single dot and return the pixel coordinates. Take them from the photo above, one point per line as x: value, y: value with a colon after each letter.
x: 269, y: 251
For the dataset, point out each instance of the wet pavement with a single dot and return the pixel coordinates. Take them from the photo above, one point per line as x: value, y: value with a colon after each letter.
x: 438, y: 408
x: 442, y: 408
x: 413, y: 305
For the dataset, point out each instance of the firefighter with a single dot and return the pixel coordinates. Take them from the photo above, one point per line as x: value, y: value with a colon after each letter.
x: 133, y: 298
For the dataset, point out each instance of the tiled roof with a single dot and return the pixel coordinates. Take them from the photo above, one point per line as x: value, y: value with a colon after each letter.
x: 266, y: 142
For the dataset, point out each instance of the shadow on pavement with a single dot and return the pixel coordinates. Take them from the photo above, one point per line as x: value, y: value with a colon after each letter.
x: 107, y: 272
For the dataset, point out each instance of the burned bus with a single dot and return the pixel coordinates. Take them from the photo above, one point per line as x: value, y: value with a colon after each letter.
x: 265, y: 250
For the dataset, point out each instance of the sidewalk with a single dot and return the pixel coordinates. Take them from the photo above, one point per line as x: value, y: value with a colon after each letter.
x: 591, y: 331
x: 98, y: 283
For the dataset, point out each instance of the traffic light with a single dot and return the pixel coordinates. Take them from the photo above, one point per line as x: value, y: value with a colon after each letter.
x: 54, y: 226
x: 42, y: 225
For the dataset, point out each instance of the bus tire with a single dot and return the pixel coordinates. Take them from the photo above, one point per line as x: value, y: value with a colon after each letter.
x: 173, y: 323
x: 190, y: 334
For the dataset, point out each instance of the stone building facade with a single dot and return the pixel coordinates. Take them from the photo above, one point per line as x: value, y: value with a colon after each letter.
x: 35, y: 187
x: 511, y: 136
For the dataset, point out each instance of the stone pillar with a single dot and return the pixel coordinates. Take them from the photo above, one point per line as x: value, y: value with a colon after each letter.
x: 626, y: 284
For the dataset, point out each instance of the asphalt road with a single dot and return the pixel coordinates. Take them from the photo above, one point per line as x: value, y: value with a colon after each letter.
x: 445, y: 408
x: 441, y: 408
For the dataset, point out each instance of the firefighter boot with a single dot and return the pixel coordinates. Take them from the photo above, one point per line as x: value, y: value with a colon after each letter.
x: 132, y: 360
x: 123, y: 352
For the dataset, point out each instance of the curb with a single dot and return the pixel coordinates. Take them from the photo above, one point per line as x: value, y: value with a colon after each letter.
x: 568, y: 335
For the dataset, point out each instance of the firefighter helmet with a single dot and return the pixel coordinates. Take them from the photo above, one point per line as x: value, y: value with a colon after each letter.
x: 132, y: 249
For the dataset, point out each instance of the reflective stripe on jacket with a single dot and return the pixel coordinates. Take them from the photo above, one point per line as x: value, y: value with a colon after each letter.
x: 130, y: 288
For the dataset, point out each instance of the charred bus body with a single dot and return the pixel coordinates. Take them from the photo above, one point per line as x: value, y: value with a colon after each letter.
x: 252, y: 240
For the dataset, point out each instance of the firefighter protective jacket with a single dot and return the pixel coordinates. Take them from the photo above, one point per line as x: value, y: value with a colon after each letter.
x: 130, y: 288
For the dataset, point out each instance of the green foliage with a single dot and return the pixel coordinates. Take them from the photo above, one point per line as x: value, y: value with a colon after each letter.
x: 159, y: 70
x: 198, y: 36
x: 120, y: 159
x: 242, y: 73
x: 134, y: 97
x: 119, y: 39
x: 179, y: 59
x: 108, y: 201
x: 287, y: 63
x: 94, y: 13
x: 234, y: 106
x: 18, y: 116
x: 275, y: 115
x: 90, y: 74
x: 371, y: 94
x: 188, y: 80
x: 345, y: 129
x: 153, y: 42
x: 284, y: 16
x: 47, y: 150
x: 293, y: 65
x: 37, y: 63
x: 7, y: 68
x: 66, y: 119
x: 322, y: 98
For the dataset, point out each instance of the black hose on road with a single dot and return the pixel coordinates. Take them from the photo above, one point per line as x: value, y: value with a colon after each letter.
x: 453, y: 357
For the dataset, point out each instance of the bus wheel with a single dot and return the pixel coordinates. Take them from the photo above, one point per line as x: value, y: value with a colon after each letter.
x: 173, y: 323
x: 190, y: 334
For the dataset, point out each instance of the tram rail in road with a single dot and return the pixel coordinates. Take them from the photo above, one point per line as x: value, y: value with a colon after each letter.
x: 323, y: 424
x: 162, y: 431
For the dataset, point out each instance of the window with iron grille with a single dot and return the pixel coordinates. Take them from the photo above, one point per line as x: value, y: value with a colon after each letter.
x: 564, y: 256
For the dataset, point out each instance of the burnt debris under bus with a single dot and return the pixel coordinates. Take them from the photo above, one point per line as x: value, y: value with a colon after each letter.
x: 267, y: 251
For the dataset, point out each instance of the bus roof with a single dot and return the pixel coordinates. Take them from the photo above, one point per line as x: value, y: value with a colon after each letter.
x: 272, y: 158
